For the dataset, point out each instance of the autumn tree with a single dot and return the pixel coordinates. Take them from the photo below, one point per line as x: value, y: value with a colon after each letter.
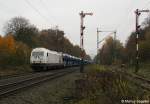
x: 22, y: 55
x: 21, y: 37
x: 144, y: 47
x: 13, y: 53
x: 15, y: 24
x: 106, y: 53
x: 29, y: 36
x: 111, y: 52
x: 22, y: 30
x: 1, y: 40
x: 55, y: 40
x: 7, y: 49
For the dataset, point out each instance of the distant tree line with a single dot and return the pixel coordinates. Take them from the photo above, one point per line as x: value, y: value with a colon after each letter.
x: 113, y: 51
x: 21, y: 37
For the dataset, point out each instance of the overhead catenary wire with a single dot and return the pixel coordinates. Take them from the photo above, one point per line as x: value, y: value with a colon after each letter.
x: 46, y: 9
x: 35, y: 9
x: 105, y: 37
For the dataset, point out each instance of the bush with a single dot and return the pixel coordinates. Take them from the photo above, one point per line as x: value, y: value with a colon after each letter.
x: 104, y: 86
x: 13, y: 53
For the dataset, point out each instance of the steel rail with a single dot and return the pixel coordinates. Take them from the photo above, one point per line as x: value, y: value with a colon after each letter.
x: 144, y: 83
x: 12, y: 87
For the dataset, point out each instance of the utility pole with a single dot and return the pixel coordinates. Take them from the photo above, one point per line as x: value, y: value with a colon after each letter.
x: 137, y: 13
x: 82, y: 27
x: 114, y: 52
x: 97, y: 44
x: 56, y: 29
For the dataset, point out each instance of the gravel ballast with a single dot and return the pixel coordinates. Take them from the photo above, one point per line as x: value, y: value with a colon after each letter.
x: 50, y: 92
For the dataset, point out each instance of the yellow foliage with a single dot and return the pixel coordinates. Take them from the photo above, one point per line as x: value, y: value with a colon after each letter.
x: 0, y: 40
x: 7, y: 44
x: 10, y: 43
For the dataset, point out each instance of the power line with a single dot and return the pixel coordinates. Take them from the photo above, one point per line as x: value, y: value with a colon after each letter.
x: 35, y: 9
x: 45, y: 7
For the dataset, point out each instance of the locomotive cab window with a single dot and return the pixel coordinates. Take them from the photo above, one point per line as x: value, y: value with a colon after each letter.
x: 37, y: 54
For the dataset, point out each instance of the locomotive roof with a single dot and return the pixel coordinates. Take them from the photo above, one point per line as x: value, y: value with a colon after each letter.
x: 45, y: 50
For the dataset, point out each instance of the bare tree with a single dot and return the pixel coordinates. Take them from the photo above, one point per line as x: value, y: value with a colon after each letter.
x: 15, y: 24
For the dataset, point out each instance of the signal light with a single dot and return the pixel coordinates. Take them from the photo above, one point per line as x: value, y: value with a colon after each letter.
x: 138, y: 26
x: 83, y: 27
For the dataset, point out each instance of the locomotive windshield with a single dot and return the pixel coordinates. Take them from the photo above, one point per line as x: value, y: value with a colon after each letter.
x: 37, y: 54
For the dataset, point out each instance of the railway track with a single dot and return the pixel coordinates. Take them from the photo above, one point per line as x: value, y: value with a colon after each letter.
x: 136, y: 79
x: 9, y: 86
x: 139, y: 81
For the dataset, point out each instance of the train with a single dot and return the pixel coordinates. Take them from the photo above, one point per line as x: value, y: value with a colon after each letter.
x: 43, y: 59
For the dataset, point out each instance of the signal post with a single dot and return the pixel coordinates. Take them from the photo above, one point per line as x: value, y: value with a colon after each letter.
x: 82, y: 27
x: 137, y: 13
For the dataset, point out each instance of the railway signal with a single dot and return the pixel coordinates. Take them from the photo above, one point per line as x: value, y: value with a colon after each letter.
x: 138, y: 13
x: 82, y: 27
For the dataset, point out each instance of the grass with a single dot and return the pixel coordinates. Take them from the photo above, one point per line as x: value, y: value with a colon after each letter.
x: 144, y: 70
x: 10, y: 71
x: 95, y: 68
x: 101, y: 86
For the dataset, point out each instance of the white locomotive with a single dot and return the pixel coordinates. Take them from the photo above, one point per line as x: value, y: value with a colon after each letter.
x: 44, y: 59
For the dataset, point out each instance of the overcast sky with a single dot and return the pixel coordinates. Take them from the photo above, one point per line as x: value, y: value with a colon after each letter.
x: 108, y: 15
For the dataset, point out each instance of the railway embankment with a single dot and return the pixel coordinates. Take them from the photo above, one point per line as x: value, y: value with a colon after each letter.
x: 97, y: 85
x: 102, y: 85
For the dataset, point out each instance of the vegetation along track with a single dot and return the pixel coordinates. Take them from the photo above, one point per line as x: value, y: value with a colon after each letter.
x: 9, y: 86
x: 136, y: 79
